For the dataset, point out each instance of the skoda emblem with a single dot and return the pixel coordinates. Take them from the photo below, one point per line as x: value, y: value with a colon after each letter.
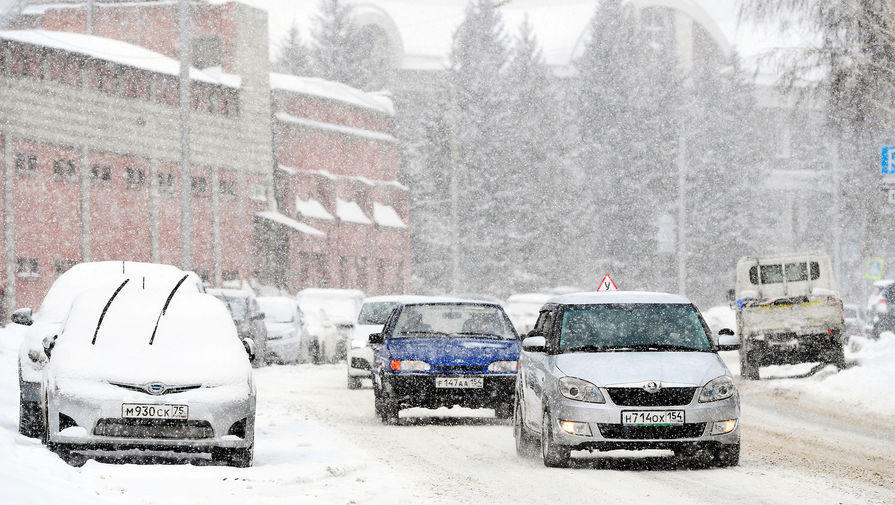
x: 155, y: 388
x: 652, y: 387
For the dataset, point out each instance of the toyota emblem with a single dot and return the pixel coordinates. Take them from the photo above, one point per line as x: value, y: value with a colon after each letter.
x: 652, y: 387
x: 155, y: 388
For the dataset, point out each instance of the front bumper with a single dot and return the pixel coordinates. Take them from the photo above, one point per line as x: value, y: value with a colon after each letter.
x: 218, y: 417
x: 607, y: 432
x: 418, y: 390
x: 787, y: 349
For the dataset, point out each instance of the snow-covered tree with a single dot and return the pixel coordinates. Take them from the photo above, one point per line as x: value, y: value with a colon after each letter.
x: 336, y: 52
x: 294, y: 58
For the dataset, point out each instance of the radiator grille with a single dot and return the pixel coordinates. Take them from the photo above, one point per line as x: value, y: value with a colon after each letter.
x: 621, y: 432
x: 153, y: 428
x: 639, y: 397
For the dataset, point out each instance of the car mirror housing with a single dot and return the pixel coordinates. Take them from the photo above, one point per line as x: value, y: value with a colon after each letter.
x: 49, y: 343
x: 727, y: 340
x: 534, y: 344
x: 22, y: 316
x: 376, y: 338
x: 249, y: 345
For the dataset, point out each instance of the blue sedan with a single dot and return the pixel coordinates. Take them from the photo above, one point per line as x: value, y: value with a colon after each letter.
x: 444, y: 353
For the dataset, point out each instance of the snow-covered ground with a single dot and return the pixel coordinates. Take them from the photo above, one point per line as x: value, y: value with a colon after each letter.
x: 825, y: 438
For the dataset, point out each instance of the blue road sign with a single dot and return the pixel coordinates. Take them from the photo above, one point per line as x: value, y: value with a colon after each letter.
x: 887, y: 160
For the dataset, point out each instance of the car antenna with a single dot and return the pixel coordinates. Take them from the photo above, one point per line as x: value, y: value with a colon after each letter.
x: 162, y: 313
x: 106, y: 308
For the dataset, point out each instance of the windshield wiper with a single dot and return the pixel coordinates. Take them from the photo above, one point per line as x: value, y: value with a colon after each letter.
x: 105, y: 309
x: 423, y: 332
x: 479, y: 334
x: 593, y: 348
x: 162, y: 313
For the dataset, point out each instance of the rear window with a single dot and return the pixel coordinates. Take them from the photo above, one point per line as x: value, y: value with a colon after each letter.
x: 629, y: 326
x: 375, y: 312
x: 794, y: 272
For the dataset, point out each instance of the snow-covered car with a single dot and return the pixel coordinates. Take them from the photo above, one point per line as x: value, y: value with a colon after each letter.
x: 445, y: 353
x: 625, y: 370
x: 523, y: 308
x: 248, y: 318
x: 148, y: 367
x: 331, y: 314
x: 285, y: 328
x: 48, y: 319
x: 373, y: 313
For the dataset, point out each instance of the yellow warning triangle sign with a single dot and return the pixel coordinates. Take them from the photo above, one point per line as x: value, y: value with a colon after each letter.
x: 607, y: 284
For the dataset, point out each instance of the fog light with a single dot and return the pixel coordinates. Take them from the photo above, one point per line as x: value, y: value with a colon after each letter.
x: 575, y: 428
x: 722, y: 427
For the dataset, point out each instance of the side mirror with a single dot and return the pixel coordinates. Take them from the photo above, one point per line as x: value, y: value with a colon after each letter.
x: 49, y: 343
x: 732, y: 298
x: 249, y: 345
x: 534, y: 344
x: 376, y: 338
x: 22, y: 316
x: 727, y: 340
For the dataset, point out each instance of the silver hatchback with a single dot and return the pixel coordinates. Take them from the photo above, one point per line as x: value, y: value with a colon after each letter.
x: 625, y: 370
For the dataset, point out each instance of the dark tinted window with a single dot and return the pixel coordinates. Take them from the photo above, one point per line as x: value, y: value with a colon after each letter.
x: 795, y: 272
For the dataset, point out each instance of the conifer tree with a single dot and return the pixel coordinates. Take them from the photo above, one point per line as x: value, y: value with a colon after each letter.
x: 294, y: 58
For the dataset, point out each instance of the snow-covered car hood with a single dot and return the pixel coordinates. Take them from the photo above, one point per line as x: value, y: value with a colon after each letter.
x: 362, y: 331
x: 618, y: 368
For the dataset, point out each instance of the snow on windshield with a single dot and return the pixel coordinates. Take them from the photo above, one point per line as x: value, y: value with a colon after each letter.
x: 277, y: 310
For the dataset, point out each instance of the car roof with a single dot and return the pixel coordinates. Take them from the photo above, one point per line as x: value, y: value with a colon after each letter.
x: 613, y: 297
x: 448, y: 299
x: 356, y: 293
x: 233, y: 293
x: 396, y: 298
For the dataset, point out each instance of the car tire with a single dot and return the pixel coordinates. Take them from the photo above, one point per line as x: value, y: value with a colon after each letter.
x: 315, y: 353
x: 239, y: 458
x: 554, y: 454
x: 30, y: 419
x: 728, y: 455
x: 836, y: 357
x: 748, y: 368
x: 526, y: 444
x: 386, y: 410
x: 354, y: 382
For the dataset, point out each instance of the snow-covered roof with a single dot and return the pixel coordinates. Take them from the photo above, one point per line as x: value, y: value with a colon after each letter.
x: 317, y: 87
x: 351, y: 212
x: 336, y: 128
x: 278, y: 218
x: 311, y: 208
x: 115, y: 51
x: 331, y: 176
x: 386, y: 215
x: 604, y: 297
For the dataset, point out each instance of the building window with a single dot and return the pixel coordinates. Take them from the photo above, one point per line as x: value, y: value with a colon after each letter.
x: 166, y: 183
x: 258, y: 192
x: 26, y: 164
x: 204, y: 275
x: 62, y: 266
x: 228, y: 187
x: 27, y: 267
x: 64, y: 169
x: 199, y: 185
x: 101, y: 173
x: 135, y: 178
x: 229, y: 275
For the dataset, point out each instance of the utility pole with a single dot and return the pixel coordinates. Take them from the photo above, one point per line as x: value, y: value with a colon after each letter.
x: 186, y: 179
x: 89, y: 17
x: 681, y: 214
x: 455, y: 188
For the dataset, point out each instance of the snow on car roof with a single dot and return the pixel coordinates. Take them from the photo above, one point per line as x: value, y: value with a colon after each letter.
x: 397, y: 298
x: 607, y: 297
x: 449, y: 299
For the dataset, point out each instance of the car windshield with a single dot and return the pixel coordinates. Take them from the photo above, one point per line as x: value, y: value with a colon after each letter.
x: 277, y: 311
x: 375, y: 312
x: 452, y: 320
x: 238, y: 306
x: 634, y: 327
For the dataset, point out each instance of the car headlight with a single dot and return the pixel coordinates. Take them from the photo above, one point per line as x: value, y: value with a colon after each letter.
x: 580, y: 390
x: 718, y: 389
x: 410, y: 365
x: 503, y: 366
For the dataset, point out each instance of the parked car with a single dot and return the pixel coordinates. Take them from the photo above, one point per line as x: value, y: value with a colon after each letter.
x: 854, y: 321
x: 442, y: 354
x: 880, y: 316
x: 522, y: 309
x: 373, y: 313
x: 625, y: 370
x: 285, y: 329
x: 48, y: 319
x: 330, y: 309
x: 248, y: 318
x: 157, y: 368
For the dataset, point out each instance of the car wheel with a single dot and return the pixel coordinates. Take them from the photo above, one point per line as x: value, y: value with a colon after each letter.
x: 240, y: 458
x: 748, y: 368
x: 728, y: 455
x: 554, y: 454
x: 353, y: 382
x: 525, y: 443
x: 314, y: 352
x: 836, y: 357
x: 30, y: 419
x: 386, y: 410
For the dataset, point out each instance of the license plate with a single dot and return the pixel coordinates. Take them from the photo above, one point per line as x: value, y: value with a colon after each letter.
x: 460, y: 382
x: 146, y: 411
x: 653, y: 417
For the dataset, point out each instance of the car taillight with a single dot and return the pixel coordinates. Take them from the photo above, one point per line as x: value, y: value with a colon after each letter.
x: 881, y: 305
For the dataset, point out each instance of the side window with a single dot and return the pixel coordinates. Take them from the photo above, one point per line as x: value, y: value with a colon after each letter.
x: 544, y: 323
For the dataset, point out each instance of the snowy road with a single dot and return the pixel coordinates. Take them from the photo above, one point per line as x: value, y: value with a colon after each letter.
x: 318, y: 442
